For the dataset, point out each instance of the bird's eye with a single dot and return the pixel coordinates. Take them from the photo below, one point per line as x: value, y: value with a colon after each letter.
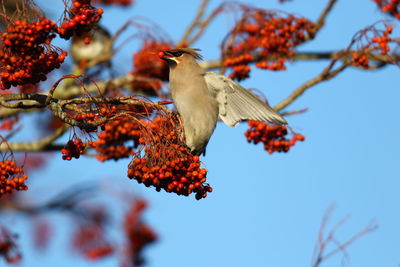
x: 177, y: 54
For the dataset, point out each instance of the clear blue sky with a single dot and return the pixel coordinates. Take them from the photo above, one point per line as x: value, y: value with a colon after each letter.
x: 266, y: 209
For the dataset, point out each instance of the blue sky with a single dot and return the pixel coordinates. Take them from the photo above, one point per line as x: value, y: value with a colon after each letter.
x: 266, y: 210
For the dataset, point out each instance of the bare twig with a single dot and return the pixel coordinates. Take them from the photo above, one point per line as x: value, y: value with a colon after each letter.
x: 195, y: 23
x: 323, y: 241
x: 203, y: 25
x: 35, y: 146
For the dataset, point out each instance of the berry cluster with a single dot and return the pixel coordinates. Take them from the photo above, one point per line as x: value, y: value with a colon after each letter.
x: 111, y: 142
x: 167, y: 163
x: 266, y: 37
x: 82, y: 16
x: 8, y: 246
x: 272, y: 136
x: 138, y: 233
x: 89, y: 240
x: 26, y: 56
x: 8, y: 124
x: 371, y: 40
x: 381, y: 43
x: 87, y: 117
x: 73, y: 149
x: 11, y: 177
x: 114, y: 2
x: 360, y: 60
x: 42, y: 232
x: 148, y: 68
x: 29, y: 88
x: 391, y: 7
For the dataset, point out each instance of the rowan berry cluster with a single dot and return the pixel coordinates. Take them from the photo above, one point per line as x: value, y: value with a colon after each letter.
x: 11, y: 177
x: 73, y: 149
x: 27, y: 56
x: 42, y: 232
x: 82, y: 16
x: 8, y: 124
x: 167, y: 163
x: 380, y: 41
x: 111, y: 142
x: 8, y: 247
x: 148, y: 68
x: 266, y: 37
x: 138, y: 233
x: 360, y: 60
x: 391, y: 7
x: 272, y: 136
x: 87, y: 117
x: 90, y: 241
x: 114, y: 2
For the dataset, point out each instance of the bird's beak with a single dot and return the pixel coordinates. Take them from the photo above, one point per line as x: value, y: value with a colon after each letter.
x: 167, y: 56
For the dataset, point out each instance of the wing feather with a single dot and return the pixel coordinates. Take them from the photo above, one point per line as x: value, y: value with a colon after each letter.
x: 237, y: 103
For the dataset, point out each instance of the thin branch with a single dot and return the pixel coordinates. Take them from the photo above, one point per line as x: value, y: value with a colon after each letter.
x: 35, y: 146
x: 195, y: 23
x: 101, y: 86
x: 381, y: 60
x: 323, y: 241
x: 203, y: 25
x: 321, y: 20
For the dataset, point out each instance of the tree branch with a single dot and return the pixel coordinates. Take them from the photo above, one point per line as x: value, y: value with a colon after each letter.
x: 323, y: 241
x: 195, y: 23
x: 321, y: 20
x: 381, y: 60
x: 39, y: 145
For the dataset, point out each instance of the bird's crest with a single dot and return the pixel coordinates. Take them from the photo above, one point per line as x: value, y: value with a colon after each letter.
x: 191, y: 51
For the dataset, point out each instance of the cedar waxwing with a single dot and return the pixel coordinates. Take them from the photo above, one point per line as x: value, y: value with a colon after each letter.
x: 202, y: 98
x: 91, y: 46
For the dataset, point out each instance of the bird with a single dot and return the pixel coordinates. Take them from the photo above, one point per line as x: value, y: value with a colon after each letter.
x: 202, y: 98
x: 91, y: 46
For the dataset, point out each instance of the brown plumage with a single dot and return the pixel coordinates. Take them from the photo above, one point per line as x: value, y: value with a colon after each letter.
x: 203, y: 97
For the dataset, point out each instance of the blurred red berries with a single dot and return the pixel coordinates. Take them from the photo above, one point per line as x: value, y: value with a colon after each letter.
x: 139, y: 235
x: 147, y: 65
x: 391, y: 7
x: 114, y: 2
x: 8, y: 247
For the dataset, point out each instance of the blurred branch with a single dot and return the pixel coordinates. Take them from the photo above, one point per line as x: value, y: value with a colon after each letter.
x: 43, y: 144
x: 320, y: 253
x: 69, y: 200
x: 195, y: 23
x: 198, y: 26
x: 321, y: 20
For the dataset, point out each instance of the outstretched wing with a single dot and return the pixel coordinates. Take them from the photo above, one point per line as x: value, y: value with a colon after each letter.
x: 237, y: 103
